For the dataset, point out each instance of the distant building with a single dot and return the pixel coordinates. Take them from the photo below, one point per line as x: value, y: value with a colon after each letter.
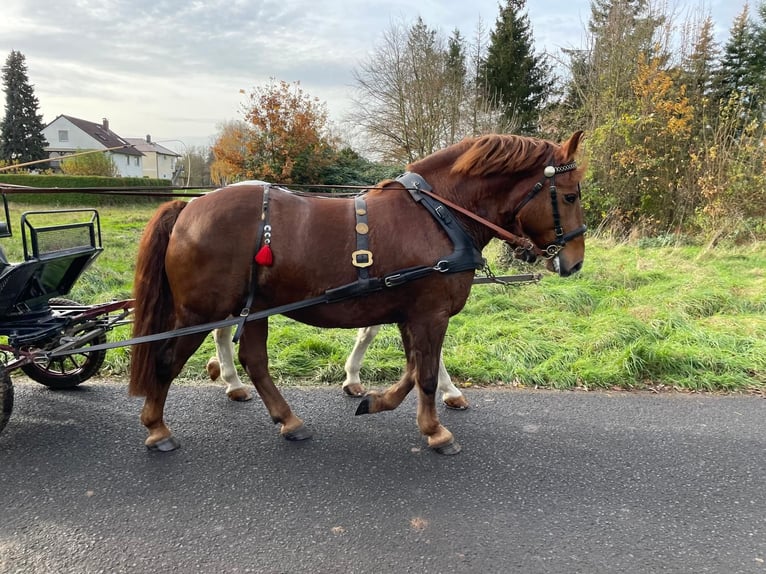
x: 66, y: 135
x: 159, y: 162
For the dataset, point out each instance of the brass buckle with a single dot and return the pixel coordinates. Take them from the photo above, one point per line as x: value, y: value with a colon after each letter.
x: 361, y: 258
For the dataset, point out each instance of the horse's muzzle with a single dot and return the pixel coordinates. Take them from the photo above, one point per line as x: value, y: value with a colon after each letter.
x: 563, y: 270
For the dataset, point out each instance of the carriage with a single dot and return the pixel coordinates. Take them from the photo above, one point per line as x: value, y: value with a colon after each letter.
x: 36, y: 317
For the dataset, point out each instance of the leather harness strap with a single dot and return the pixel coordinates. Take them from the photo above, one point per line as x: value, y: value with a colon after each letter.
x: 362, y: 257
x: 263, y: 227
x: 465, y: 256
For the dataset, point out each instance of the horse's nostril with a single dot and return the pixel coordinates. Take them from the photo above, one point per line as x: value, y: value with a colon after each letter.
x: 571, y: 270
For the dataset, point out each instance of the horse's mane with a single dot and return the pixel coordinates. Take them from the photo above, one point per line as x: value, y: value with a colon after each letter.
x: 501, y: 153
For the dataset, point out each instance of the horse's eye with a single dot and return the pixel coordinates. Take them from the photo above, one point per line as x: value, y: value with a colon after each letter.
x: 570, y: 197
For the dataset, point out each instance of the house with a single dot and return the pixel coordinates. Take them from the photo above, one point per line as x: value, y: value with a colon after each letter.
x: 159, y: 162
x: 67, y: 135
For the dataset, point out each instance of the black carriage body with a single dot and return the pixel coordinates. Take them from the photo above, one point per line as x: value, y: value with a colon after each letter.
x: 55, y: 256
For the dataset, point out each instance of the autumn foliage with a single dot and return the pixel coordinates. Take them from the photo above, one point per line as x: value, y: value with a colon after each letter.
x: 283, y: 138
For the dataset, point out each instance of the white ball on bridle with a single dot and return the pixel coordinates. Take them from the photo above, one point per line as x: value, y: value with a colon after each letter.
x: 549, y: 171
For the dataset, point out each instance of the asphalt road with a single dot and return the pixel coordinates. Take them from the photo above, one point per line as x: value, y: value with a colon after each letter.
x: 547, y: 482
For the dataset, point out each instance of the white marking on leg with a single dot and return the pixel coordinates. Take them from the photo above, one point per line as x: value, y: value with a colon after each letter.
x: 224, y: 348
x: 353, y: 364
x: 445, y: 384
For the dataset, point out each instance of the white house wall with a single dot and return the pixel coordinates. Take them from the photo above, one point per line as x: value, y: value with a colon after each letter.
x: 165, y: 166
x: 127, y: 165
x: 77, y: 139
x: 159, y: 165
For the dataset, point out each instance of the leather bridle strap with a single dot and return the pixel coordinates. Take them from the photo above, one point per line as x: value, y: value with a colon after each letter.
x: 513, y: 240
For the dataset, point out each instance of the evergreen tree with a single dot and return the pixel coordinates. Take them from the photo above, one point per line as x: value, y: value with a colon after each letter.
x: 742, y: 73
x: 456, y: 80
x: 519, y: 79
x: 21, y: 138
x: 733, y: 78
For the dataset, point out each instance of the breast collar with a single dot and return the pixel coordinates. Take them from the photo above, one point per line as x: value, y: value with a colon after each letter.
x: 465, y: 254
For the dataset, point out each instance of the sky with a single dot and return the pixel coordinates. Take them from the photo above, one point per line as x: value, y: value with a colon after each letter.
x: 175, y: 70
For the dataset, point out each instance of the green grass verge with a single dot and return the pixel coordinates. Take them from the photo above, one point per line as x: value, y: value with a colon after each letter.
x: 637, y: 316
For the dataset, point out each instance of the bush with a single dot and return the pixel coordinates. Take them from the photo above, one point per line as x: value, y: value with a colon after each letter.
x: 73, y: 182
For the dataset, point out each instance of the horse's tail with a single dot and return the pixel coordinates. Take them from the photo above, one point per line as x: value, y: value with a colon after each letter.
x: 153, y: 307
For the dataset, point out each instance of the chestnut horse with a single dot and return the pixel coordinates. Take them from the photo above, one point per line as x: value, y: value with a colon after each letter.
x: 405, y: 252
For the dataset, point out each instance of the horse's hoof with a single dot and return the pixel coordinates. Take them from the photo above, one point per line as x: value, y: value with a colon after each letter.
x: 241, y: 394
x: 456, y: 403
x: 354, y: 390
x: 165, y: 445
x: 448, y: 449
x: 364, y: 406
x: 213, y: 368
x: 297, y: 434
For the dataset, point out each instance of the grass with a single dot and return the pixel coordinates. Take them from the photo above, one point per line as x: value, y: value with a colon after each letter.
x: 639, y: 315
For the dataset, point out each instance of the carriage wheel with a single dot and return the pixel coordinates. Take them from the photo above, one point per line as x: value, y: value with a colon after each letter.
x: 70, y: 370
x: 6, y: 397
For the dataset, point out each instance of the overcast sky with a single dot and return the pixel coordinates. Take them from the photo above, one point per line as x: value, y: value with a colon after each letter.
x: 175, y: 69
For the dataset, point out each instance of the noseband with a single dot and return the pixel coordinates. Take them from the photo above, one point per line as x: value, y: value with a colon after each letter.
x: 549, y: 173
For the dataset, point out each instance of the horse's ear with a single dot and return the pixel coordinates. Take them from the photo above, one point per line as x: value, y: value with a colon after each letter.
x: 572, y: 144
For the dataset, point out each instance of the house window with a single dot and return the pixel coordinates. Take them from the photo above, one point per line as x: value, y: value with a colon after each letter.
x: 63, y: 135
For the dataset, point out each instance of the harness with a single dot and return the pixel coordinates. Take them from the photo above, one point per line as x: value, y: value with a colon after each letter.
x: 465, y: 256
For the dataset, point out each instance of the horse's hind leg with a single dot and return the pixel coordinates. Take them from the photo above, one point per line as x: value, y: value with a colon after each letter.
x: 254, y: 358
x: 222, y: 365
x: 451, y: 395
x: 171, y: 359
x: 352, y: 386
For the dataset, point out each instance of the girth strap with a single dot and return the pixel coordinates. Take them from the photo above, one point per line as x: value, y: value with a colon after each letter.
x: 253, y: 266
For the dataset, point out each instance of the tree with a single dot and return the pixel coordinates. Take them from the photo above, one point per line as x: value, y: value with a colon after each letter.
x: 284, y: 137
x: 289, y: 139
x: 21, y: 138
x: 415, y: 94
x: 89, y: 162
x: 197, y: 162
x: 229, y: 153
x: 520, y: 79
x: 602, y: 96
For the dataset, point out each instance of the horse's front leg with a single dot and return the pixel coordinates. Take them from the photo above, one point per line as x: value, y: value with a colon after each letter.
x: 392, y: 397
x: 422, y: 346
x: 222, y: 365
x: 254, y: 358
x: 352, y: 386
x: 422, y: 343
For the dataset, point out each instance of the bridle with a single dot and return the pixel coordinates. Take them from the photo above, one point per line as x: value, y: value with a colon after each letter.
x: 549, y: 173
x: 522, y: 244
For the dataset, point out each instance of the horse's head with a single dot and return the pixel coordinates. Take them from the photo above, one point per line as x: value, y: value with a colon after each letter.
x: 551, y: 214
x: 523, y: 190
